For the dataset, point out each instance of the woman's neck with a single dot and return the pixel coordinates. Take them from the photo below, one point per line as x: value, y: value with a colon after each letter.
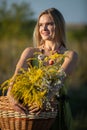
x: 50, y: 46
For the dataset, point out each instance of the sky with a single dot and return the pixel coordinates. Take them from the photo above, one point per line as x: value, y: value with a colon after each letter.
x: 74, y: 11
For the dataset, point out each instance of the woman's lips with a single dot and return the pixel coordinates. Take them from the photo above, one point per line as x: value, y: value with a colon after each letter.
x: 45, y: 33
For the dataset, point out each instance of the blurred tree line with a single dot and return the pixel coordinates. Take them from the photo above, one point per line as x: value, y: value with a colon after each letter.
x: 16, y: 20
x: 16, y: 29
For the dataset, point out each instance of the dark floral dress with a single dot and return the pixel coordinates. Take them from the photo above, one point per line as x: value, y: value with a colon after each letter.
x: 64, y: 119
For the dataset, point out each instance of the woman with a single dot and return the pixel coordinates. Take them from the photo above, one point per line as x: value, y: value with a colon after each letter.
x: 49, y: 36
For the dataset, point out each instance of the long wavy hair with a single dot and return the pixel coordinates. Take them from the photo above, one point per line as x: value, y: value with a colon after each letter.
x: 60, y: 32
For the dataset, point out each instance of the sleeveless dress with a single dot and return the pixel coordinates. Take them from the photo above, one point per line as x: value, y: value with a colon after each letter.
x: 64, y: 120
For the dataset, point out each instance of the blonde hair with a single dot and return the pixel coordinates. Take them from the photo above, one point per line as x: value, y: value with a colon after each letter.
x: 60, y: 33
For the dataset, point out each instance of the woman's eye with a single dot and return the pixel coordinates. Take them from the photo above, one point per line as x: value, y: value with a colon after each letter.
x: 51, y: 23
x: 40, y: 25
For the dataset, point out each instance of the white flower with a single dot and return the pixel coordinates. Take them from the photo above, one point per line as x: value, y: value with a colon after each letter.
x: 41, y: 57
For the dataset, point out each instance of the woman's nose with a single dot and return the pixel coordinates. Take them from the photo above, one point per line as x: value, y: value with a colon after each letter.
x: 45, y: 27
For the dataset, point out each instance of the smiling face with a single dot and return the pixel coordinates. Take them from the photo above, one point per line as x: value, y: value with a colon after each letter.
x: 46, y: 27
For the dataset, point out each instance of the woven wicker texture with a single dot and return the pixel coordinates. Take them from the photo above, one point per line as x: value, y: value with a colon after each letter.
x: 13, y: 120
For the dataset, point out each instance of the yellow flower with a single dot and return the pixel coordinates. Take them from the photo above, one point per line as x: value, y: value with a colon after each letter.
x: 39, y: 83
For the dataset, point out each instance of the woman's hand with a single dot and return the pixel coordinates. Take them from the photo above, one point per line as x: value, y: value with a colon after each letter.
x: 34, y: 108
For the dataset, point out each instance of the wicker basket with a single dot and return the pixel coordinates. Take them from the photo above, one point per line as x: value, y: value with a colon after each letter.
x: 11, y: 119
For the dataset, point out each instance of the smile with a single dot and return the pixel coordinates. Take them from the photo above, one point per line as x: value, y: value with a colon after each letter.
x: 45, y: 33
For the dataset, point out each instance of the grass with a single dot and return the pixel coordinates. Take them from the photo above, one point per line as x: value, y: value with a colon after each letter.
x: 78, y: 104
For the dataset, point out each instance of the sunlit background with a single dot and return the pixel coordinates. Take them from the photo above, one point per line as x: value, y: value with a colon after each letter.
x: 17, y: 21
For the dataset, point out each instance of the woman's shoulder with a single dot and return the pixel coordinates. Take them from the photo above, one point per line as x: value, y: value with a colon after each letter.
x: 70, y: 61
x: 71, y: 53
x: 29, y: 51
x: 26, y: 54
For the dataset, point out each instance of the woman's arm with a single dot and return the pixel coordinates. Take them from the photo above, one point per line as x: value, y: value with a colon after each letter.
x: 22, y: 63
x: 70, y: 62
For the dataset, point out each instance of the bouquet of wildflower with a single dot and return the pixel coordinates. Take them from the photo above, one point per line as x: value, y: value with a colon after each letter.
x: 40, y: 83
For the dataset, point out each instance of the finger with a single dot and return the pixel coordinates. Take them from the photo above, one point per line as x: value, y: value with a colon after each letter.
x: 38, y: 112
x: 35, y: 112
x: 33, y: 106
x: 34, y: 109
